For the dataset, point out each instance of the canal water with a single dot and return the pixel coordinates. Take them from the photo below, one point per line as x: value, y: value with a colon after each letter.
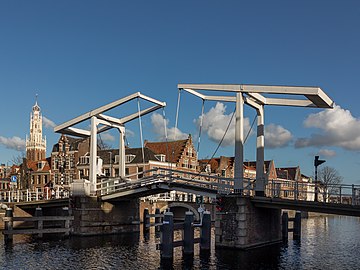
x: 328, y: 242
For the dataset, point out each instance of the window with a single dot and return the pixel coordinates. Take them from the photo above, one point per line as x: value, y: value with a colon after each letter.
x: 208, y: 168
x: 127, y: 172
x: 223, y: 173
x: 140, y: 170
x: 116, y: 158
x: 40, y: 165
x: 185, y: 163
x: 129, y: 158
x: 84, y: 160
x: 193, y: 165
x: 190, y: 152
x: 160, y: 157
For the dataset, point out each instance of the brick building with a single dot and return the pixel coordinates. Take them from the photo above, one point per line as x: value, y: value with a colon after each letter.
x: 66, y: 158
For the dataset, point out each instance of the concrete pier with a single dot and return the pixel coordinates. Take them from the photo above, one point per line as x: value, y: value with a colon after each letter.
x: 242, y: 225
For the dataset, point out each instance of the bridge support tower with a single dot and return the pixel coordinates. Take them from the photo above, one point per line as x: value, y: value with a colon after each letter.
x: 242, y: 225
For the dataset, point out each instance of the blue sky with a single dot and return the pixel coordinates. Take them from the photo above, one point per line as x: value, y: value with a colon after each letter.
x: 79, y: 55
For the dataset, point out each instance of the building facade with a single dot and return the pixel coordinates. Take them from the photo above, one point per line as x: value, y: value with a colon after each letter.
x: 65, y: 160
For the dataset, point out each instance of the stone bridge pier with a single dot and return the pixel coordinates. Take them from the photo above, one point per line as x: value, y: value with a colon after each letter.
x: 242, y: 225
x: 95, y: 217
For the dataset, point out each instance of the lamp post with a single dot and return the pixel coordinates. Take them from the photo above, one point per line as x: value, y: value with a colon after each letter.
x: 317, y: 162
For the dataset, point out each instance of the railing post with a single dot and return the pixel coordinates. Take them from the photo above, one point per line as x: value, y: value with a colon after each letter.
x: 167, y: 236
x: 340, y: 194
x: 66, y: 213
x: 38, y: 213
x: 352, y: 194
x: 188, y: 247
x: 146, y: 221
x: 8, y: 226
x: 285, y: 226
x: 297, y: 226
x: 157, y: 220
x: 205, y: 235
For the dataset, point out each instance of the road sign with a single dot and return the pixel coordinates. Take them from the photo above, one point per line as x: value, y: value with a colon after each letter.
x: 199, y: 199
x: 13, y: 178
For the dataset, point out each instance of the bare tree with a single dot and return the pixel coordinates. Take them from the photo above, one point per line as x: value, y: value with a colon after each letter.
x: 18, y: 159
x: 329, y: 178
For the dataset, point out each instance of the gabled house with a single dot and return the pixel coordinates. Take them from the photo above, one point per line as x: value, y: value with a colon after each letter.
x: 39, y: 174
x: 65, y: 157
x: 290, y: 183
x: 180, y: 152
x: 224, y: 167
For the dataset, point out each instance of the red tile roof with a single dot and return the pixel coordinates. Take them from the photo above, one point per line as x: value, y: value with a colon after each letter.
x: 33, y: 165
x: 172, y: 150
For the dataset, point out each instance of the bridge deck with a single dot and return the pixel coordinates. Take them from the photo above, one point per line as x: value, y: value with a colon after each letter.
x: 319, y: 207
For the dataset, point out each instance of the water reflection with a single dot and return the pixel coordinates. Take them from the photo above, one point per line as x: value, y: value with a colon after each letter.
x: 261, y: 258
x: 327, y: 243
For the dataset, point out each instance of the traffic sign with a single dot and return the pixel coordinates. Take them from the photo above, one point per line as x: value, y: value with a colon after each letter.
x: 14, y: 178
x: 199, y: 199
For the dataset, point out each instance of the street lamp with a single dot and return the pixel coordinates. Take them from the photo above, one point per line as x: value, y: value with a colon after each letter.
x: 317, y: 162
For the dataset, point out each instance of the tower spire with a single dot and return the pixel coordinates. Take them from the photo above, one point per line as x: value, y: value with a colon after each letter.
x: 35, y: 144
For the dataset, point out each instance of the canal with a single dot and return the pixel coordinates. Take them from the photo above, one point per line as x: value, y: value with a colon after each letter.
x: 328, y: 242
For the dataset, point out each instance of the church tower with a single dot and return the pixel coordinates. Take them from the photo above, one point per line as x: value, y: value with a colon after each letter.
x: 35, y: 144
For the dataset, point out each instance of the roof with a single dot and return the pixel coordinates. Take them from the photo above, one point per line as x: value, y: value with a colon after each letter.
x: 73, y: 142
x: 172, y: 150
x: 287, y: 173
x: 228, y: 162
x: 105, y: 155
x: 33, y: 165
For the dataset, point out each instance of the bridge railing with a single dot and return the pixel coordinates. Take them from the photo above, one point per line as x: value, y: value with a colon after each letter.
x: 329, y: 193
x: 28, y: 195
x: 114, y: 184
x: 222, y: 185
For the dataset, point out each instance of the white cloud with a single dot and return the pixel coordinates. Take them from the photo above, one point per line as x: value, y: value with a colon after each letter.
x: 129, y: 133
x: 327, y: 153
x: 48, y: 123
x: 14, y: 143
x: 276, y: 136
x: 337, y: 127
x: 106, y: 136
x: 173, y: 133
x: 215, y: 122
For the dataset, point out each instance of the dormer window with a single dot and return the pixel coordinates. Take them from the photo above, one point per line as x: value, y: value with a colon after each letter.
x: 160, y: 157
x: 84, y: 160
x: 129, y: 158
x: 40, y: 165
